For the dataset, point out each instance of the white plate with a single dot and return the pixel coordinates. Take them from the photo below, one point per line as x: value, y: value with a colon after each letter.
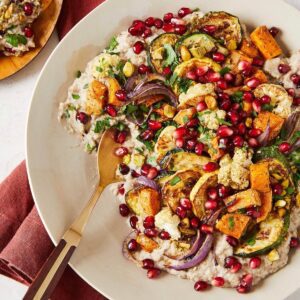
x: 62, y: 175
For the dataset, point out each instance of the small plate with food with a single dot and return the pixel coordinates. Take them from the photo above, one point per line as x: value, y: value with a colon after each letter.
x: 204, y: 104
x: 25, y: 27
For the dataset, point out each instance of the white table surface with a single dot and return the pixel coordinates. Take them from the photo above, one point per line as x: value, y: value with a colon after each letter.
x: 15, y: 93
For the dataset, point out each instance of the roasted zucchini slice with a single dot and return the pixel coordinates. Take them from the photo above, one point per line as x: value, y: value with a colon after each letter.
x: 179, y: 160
x: 228, y: 28
x: 270, y: 235
x: 199, y: 44
x: 157, y: 50
x: 165, y: 142
x: 179, y: 186
x: 198, y: 194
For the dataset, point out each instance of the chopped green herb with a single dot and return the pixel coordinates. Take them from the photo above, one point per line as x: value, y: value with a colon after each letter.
x: 171, y: 57
x: 151, y: 160
x: 231, y: 223
x: 113, y: 44
x: 295, y: 137
x: 267, y: 107
x: 99, y: 69
x: 130, y: 108
x: 185, y: 119
x: 144, y: 108
x: 277, y: 197
x: 120, y: 126
x: 16, y: 39
x: 237, y: 97
x: 225, y: 71
x: 172, y: 79
x: 174, y: 180
x: 90, y: 148
x: 75, y: 96
x: 102, y: 125
x: 255, y: 114
x: 290, y: 190
x: 78, y: 74
x: 242, y: 210
x: 86, y: 86
x: 184, y: 84
x: 157, y: 105
x: 251, y: 241
x: 223, y: 122
x: 149, y: 145
x: 139, y: 150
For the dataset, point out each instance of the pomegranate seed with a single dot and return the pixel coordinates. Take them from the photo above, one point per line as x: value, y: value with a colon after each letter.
x: 168, y: 17
x: 124, y: 210
x: 154, y: 125
x: 209, y: 29
x: 284, y: 68
x: 274, y: 31
x: 185, y: 203
x: 224, y: 131
x: 253, y: 83
x: 211, y: 204
x: 82, y: 117
x: 255, y: 132
x: 158, y: 23
x: 200, y: 71
x: 133, y: 31
x: 147, y: 135
x: 121, y: 151
x: 147, y: 264
x: 210, y: 167
x: 258, y: 62
x: 192, y: 134
x: 223, y: 191
x: 229, y: 77
x: 143, y: 69
x: 139, y: 26
x: 191, y: 144
x: 236, y: 267
x: 242, y: 290
x: 234, y: 116
x: 265, y: 99
x: 206, y: 229
x: 235, y: 106
x: 253, y: 142
x: 253, y: 212
x: 110, y: 109
x: 238, y: 141
x: 255, y: 262
x: 150, y: 232
x: 138, y: 23
x: 296, y: 101
x: 138, y: 47
x: 291, y: 92
x: 167, y: 71
x: 218, y: 57
x: 133, y: 221
x: 201, y: 106
x: 179, y: 142
x: 168, y: 27
x: 184, y: 11
x: 294, y: 243
x: 180, y: 29
x: 121, y: 189
x: 150, y: 21
x: 177, y: 21
x: 192, y: 123
x: 284, y: 147
x: 218, y: 281
x: 200, y: 286
x: 256, y: 105
x: 233, y: 242
x: 28, y: 32
x: 246, y: 280
x: 212, y: 76
x: 180, y: 132
x: 121, y: 95
x: 241, y: 128
x: 132, y: 245
x: 147, y: 33
x: 229, y: 261
x: 28, y: 8
x: 181, y: 212
x: 244, y: 65
x: 277, y: 189
x: 225, y: 104
x: 124, y: 169
x: 145, y: 169
x: 149, y: 222
x: 248, y: 97
x: 120, y: 137
x: 295, y: 79
x: 164, y: 235
x: 153, y: 273
x: 195, y: 222
x: 222, y: 84
x: 153, y: 172
x: 191, y: 75
x: 212, y: 193
x: 199, y: 148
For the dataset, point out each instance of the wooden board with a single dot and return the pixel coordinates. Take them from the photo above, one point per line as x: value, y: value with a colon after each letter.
x: 43, y: 28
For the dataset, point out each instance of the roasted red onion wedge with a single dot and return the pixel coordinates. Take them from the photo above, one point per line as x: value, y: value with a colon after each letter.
x: 143, y: 180
x: 291, y: 125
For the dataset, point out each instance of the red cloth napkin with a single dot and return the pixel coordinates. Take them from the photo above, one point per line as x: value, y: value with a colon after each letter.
x: 24, y: 242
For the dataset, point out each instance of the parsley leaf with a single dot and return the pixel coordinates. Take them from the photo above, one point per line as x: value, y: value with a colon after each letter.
x: 16, y: 39
x: 184, y: 84
x: 113, y: 44
x: 102, y: 125
x: 225, y: 71
x: 174, y: 180
x: 171, y: 57
x: 267, y: 107
x: 231, y: 223
x: 223, y: 122
x: 78, y: 74
x: 237, y: 97
x: 75, y: 96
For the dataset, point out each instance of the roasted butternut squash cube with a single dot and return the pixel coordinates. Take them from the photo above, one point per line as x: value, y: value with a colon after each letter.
x: 261, y: 76
x: 242, y: 199
x: 259, y: 177
x: 185, y: 115
x: 113, y: 86
x: 233, y: 224
x: 266, y: 206
x: 146, y: 243
x: 96, y: 98
x: 265, y: 42
x: 262, y: 120
x: 249, y: 48
x: 143, y: 201
x: 214, y: 151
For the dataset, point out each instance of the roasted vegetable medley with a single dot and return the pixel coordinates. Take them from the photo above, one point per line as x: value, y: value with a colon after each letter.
x: 209, y: 140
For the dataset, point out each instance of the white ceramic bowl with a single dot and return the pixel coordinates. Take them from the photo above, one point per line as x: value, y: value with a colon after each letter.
x: 62, y: 175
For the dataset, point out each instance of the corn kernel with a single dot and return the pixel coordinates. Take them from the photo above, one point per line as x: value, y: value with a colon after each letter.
x: 138, y: 159
x: 169, y: 111
x: 248, y: 122
x: 298, y: 199
x: 128, y: 69
x: 231, y: 45
x: 185, y: 53
x: 277, y: 176
x: 185, y: 245
x: 285, y: 183
x: 283, y: 193
x: 281, y: 212
x: 126, y: 159
x: 280, y: 203
x: 211, y: 102
x: 247, y: 107
x: 273, y: 255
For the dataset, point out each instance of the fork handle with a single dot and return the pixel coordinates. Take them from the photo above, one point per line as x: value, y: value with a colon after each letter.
x: 51, y: 272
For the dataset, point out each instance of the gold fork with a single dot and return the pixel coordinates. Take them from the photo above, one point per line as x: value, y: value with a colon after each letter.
x: 48, y: 277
